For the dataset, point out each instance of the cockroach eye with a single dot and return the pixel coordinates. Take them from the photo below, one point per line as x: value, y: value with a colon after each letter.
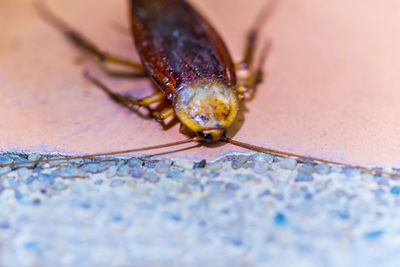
x: 207, y: 137
x: 211, y: 135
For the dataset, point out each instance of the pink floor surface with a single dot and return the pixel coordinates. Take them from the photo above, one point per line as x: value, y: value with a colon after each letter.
x: 331, y: 88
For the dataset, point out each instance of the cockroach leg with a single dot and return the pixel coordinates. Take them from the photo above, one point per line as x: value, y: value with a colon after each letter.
x: 107, y: 57
x: 164, y: 114
x: 247, y: 61
x: 167, y: 125
x: 123, y: 74
x: 132, y: 103
x: 126, y: 101
x: 245, y: 66
x: 254, y: 76
x: 82, y: 42
x: 250, y: 48
x: 249, y: 84
x: 154, y: 98
x: 252, y: 36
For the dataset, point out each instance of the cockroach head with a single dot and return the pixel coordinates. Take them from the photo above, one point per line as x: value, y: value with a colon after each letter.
x: 207, y: 108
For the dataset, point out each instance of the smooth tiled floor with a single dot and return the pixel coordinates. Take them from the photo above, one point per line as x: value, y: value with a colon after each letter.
x: 330, y: 89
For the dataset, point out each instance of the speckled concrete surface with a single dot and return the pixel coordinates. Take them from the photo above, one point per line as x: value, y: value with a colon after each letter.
x: 239, y: 210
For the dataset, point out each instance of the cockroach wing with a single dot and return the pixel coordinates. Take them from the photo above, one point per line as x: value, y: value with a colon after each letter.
x: 178, y: 46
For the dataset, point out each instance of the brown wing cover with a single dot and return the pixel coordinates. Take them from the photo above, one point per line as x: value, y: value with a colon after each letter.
x: 178, y: 46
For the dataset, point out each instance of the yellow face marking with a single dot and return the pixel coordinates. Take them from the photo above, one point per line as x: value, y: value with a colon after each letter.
x: 205, y: 105
x: 209, y: 107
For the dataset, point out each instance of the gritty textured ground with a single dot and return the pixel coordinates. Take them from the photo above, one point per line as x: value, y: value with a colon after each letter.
x: 240, y: 210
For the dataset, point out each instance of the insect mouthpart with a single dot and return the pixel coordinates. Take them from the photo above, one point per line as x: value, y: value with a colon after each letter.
x: 211, y: 135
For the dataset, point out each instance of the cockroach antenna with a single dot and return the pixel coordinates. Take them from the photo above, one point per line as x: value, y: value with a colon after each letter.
x: 102, y: 154
x: 284, y: 154
x: 277, y: 153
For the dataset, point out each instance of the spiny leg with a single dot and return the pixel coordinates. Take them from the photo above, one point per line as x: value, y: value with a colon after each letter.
x: 127, y: 101
x: 245, y: 67
x: 82, y: 42
x: 254, y: 75
x: 246, y: 64
x: 253, y: 34
x: 123, y: 74
x: 164, y: 112
x: 154, y: 98
x: 160, y: 114
x: 247, y: 60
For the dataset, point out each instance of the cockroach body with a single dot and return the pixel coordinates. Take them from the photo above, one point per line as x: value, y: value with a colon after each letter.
x: 189, y: 62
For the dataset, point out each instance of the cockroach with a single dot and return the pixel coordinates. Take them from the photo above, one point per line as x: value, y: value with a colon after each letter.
x: 187, y: 60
